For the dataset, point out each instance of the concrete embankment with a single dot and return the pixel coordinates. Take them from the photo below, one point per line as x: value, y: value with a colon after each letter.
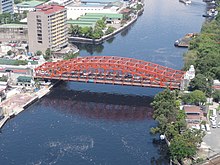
x: 17, y: 102
x: 101, y: 40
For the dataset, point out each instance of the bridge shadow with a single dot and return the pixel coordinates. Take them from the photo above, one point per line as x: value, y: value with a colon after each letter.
x: 100, y: 105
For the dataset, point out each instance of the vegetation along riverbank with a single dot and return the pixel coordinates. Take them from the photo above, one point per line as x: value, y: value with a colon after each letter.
x: 182, y: 139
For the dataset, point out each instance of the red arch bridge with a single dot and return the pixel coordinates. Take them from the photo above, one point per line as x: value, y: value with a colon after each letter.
x: 112, y: 70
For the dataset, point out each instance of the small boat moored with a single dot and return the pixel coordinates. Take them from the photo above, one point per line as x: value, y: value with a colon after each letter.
x: 186, y: 2
x: 211, y: 13
x: 184, y: 42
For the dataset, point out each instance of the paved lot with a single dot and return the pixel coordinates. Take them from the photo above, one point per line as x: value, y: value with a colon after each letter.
x: 212, y: 140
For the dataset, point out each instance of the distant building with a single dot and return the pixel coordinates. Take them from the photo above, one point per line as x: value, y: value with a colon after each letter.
x: 47, y: 28
x: 6, y: 6
x: 61, y: 2
x: 15, y: 32
x: 76, y: 10
x: 27, y: 6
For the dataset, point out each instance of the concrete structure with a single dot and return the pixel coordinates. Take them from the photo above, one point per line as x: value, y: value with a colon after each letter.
x: 90, y: 19
x: 61, y: 2
x: 6, y: 6
x: 76, y: 10
x: 27, y: 6
x: 15, y: 32
x: 47, y: 28
x: 194, y: 114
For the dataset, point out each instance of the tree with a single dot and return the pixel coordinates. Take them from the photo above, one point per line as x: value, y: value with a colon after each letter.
x: 181, y: 148
x: 110, y: 30
x: 38, y: 53
x: 201, y: 82
x: 196, y: 97
x: 70, y: 56
x: 185, y: 145
x: 216, y: 96
x: 166, y: 111
x: 74, y: 30
x: 85, y: 32
x: 9, y: 52
x: 47, y: 55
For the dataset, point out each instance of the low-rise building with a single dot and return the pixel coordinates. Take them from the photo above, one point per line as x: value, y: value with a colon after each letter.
x: 75, y: 10
x: 194, y: 114
x: 26, y: 81
x: 27, y: 6
x: 15, y: 32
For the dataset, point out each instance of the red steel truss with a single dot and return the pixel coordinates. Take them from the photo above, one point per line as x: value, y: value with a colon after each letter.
x: 112, y: 70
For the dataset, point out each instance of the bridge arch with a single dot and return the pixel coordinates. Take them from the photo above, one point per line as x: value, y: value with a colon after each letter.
x: 112, y: 70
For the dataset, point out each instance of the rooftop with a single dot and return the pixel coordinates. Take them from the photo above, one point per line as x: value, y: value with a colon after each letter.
x: 29, y: 4
x: 13, y: 26
x: 97, y: 1
x: 192, y: 109
x: 49, y: 9
x: 108, y: 15
x: 24, y: 79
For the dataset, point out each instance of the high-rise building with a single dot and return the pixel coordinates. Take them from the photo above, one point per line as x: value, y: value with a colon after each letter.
x: 6, y: 6
x: 47, y: 28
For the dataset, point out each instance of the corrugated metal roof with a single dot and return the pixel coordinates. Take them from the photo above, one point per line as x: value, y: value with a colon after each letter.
x: 29, y: 4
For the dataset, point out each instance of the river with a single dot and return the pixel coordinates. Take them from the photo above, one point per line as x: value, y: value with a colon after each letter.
x: 94, y: 124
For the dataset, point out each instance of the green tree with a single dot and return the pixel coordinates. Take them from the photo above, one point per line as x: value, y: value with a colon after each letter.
x: 74, y: 30
x: 216, y: 96
x: 48, y: 54
x: 85, y: 31
x: 70, y: 56
x: 181, y: 148
x: 97, y: 33
x: 196, y: 97
x: 9, y: 52
x: 110, y: 30
x: 201, y: 82
x: 185, y: 145
x: 38, y: 53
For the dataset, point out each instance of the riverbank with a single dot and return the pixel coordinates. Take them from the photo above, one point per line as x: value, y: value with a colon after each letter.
x: 106, y: 37
x: 18, y: 101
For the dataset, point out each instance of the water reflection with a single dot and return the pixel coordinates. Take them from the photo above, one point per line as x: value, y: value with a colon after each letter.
x: 100, y: 105
x: 110, y: 40
x: 90, y: 48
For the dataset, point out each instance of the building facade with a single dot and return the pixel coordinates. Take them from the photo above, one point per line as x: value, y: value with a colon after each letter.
x: 47, y: 28
x: 15, y: 32
x: 6, y: 6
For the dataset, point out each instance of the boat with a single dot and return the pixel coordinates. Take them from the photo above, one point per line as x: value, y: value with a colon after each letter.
x: 184, y: 42
x: 186, y: 2
x: 211, y: 13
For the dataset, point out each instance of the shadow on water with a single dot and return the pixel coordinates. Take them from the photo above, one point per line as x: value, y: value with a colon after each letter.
x: 110, y: 40
x: 90, y: 48
x: 100, y: 105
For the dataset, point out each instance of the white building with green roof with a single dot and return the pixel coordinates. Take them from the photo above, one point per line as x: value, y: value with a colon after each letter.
x: 26, y: 6
x: 75, y: 10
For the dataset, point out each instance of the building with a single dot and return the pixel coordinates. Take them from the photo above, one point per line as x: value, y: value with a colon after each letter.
x: 90, y: 19
x: 76, y: 10
x: 27, y: 6
x: 6, y: 6
x: 15, y: 32
x: 47, y: 28
x: 194, y: 114
x: 61, y: 2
